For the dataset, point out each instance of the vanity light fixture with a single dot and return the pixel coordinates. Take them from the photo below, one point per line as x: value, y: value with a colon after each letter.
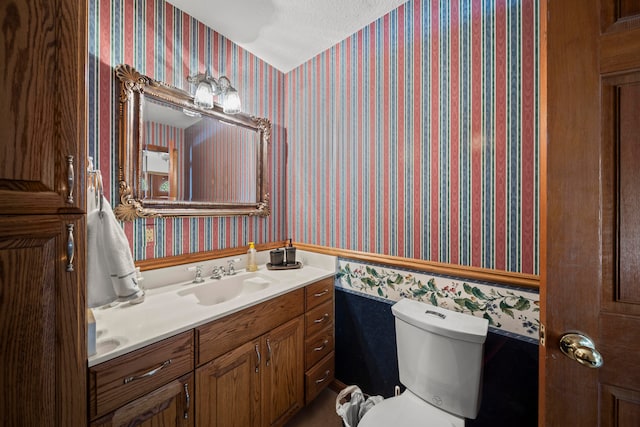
x: 207, y: 88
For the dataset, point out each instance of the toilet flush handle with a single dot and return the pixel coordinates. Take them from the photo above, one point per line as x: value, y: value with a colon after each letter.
x: 436, y: 313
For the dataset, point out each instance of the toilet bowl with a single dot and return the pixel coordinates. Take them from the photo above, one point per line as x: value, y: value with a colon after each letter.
x: 440, y: 363
x: 408, y: 410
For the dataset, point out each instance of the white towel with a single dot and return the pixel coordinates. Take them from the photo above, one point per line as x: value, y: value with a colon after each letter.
x: 111, y: 273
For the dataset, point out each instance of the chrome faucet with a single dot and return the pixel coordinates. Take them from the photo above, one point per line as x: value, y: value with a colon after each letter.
x: 217, y: 272
x: 198, y: 270
x: 231, y: 270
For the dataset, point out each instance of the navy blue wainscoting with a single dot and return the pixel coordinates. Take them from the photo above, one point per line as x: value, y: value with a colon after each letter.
x: 366, y: 356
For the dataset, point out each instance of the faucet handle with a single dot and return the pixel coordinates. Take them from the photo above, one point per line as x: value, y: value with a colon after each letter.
x: 198, y: 270
x: 217, y: 272
x: 231, y: 270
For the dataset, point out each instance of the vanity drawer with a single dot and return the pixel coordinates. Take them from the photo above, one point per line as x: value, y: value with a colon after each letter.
x: 125, y: 378
x: 318, y: 318
x: 317, y: 347
x: 319, y: 377
x: 319, y: 292
x: 220, y: 336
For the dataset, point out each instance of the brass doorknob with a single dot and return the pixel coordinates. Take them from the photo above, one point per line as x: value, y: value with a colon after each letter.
x: 581, y: 348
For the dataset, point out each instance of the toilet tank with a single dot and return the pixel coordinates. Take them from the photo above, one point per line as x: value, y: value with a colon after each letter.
x: 440, y: 355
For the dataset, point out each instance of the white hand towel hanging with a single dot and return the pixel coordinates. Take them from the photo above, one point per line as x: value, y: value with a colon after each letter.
x: 111, y: 273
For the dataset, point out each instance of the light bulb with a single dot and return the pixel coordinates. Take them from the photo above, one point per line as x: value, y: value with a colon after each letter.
x: 203, y: 97
x: 231, y: 102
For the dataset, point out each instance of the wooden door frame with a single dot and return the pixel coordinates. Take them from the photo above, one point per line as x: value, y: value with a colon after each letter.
x: 542, y: 108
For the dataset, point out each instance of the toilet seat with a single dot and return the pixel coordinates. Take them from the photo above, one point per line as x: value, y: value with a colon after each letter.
x: 408, y: 410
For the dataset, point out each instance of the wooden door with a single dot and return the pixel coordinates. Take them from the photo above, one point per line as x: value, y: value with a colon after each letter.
x: 169, y: 406
x: 42, y: 328
x: 591, y: 268
x: 283, y: 388
x: 229, y: 388
x: 42, y: 135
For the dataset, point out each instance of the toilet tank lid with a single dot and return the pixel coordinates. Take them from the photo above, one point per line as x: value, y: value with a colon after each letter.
x: 441, y: 321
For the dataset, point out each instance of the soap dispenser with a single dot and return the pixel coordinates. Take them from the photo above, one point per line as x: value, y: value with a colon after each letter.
x: 251, y: 258
x: 290, y: 253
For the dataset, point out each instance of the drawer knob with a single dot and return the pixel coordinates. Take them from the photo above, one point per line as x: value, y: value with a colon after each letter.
x: 323, y: 379
x: 319, y: 294
x: 324, y: 344
x: 322, y: 319
x: 148, y: 374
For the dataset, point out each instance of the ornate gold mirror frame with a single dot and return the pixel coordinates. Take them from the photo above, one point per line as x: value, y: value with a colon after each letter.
x: 135, y: 87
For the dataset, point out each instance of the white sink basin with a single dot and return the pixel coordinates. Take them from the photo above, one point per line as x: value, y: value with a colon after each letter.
x: 217, y: 291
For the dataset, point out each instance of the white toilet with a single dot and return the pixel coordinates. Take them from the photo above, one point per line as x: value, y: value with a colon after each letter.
x: 440, y: 363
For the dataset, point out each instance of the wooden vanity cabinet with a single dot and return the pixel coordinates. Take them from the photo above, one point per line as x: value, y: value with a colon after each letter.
x: 43, y: 350
x: 258, y: 384
x: 229, y: 388
x: 253, y: 368
x: 253, y: 380
x: 282, y: 382
x: 319, y: 337
x: 144, y: 376
x: 168, y: 406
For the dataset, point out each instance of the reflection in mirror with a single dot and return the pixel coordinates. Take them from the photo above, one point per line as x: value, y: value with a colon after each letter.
x: 211, y: 160
x: 180, y: 160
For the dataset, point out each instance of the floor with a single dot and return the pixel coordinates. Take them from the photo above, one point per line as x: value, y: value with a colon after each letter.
x: 319, y: 413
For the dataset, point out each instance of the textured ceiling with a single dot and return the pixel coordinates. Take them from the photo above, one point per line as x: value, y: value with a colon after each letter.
x: 286, y: 33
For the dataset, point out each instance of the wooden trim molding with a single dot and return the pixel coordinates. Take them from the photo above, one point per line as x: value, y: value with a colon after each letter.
x: 151, y: 264
x: 495, y: 276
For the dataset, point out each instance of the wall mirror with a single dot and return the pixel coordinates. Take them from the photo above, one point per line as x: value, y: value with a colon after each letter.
x: 176, y: 159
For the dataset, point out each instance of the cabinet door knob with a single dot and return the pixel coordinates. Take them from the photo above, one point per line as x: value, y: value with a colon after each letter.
x: 268, y: 351
x: 71, y: 247
x: 187, y: 400
x: 259, y: 358
x: 70, y: 179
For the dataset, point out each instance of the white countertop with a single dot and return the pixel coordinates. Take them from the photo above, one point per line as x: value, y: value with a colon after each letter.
x: 169, y: 309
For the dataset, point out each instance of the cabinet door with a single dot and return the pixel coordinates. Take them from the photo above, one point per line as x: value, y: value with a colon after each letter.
x: 168, y: 406
x: 42, y: 63
x: 283, y: 389
x: 229, y: 388
x: 42, y: 330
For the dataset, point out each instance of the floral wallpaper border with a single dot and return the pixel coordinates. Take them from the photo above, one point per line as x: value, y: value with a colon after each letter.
x: 511, y: 311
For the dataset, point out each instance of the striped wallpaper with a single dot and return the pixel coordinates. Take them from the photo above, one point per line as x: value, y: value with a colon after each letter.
x: 418, y: 136
x: 168, y: 45
x: 226, y: 153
